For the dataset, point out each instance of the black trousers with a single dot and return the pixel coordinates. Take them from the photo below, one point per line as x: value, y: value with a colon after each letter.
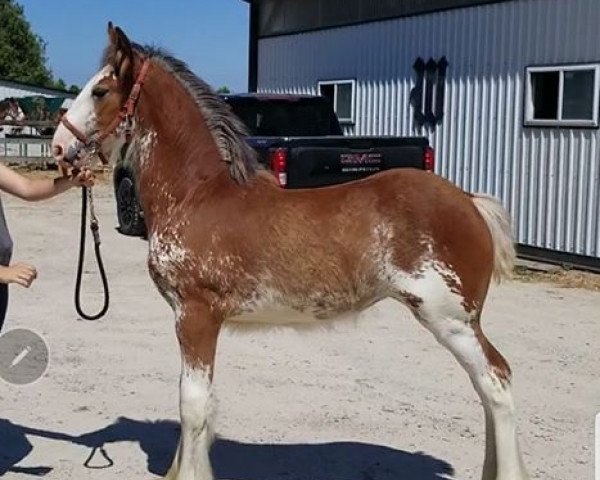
x: 3, y: 303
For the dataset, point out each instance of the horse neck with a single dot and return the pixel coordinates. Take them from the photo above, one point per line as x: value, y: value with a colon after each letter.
x: 184, y: 143
x: 184, y: 152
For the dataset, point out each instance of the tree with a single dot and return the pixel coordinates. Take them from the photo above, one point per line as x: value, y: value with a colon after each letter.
x: 223, y: 89
x: 22, y: 52
x: 60, y: 84
x: 74, y: 89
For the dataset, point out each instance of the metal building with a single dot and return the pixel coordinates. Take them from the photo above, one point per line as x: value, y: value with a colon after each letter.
x: 506, y: 90
x: 11, y: 88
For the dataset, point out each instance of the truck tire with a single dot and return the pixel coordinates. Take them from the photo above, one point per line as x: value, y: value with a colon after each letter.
x: 129, y: 212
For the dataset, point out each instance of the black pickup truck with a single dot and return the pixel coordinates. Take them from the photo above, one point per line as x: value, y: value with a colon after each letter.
x: 299, y: 138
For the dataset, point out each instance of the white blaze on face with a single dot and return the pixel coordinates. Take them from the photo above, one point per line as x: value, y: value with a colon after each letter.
x: 81, y: 114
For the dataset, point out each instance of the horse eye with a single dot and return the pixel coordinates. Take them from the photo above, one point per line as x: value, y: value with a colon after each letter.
x: 99, y: 92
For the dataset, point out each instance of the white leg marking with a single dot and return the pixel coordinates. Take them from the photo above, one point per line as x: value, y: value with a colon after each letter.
x: 490, y: 463
x: 443, y: 313
x: 192, y: 461
x: 503, y: 458
x: 497, y: 394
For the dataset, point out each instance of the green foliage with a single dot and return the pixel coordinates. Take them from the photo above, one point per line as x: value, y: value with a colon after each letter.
x: 22, y: 52
x: 37, y: 107
x: 60, y: 84
x: 223, y: 89
x: 74, y: 89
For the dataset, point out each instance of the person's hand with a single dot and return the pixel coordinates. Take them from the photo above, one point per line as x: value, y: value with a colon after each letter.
x: 19, y: 273
x: 82, y: 178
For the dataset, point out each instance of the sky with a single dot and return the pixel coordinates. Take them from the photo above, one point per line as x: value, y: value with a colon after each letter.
x: 211, y: 36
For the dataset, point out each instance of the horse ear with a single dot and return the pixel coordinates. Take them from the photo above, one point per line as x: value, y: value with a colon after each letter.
x: 111, y: 32
x: 121, y: 55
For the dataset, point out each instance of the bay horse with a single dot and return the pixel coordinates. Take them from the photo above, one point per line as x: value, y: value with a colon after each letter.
x: 227, y: 245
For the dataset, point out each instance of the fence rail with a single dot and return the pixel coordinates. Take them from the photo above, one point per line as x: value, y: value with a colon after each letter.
x: 29, y: 123
x: 26, y: 149
x: 29, y: 147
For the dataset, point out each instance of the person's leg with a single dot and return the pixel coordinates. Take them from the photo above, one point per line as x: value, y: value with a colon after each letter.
x: 3, y: 303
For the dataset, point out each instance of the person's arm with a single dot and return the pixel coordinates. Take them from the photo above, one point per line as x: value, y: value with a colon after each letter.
x: 19, y: 273
x: 40, y: 189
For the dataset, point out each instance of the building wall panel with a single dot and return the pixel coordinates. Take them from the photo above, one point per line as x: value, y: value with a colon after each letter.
x: 548, y: 178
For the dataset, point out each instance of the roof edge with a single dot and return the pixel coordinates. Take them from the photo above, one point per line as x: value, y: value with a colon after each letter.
x: 40, y: 87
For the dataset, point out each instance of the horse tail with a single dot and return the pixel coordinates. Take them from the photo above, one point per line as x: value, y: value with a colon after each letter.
x: 498, y: 222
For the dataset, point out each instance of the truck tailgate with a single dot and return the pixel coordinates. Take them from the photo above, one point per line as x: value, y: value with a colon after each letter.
x: 314, y: 162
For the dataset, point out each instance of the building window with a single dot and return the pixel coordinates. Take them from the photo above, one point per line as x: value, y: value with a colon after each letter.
x: 562, y: 96
x: 341, y: 95
x: 427, y: 97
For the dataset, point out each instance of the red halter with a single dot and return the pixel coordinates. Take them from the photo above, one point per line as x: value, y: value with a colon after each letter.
x: 92, y: 143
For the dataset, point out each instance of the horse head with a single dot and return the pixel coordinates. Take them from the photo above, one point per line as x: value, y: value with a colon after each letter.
x: 94, y: 119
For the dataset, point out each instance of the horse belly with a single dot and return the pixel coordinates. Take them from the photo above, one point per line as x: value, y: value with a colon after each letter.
x: 272, y: 310
x: 275, y: 316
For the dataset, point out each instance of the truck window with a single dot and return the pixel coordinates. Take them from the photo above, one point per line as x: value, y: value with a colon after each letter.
x: 303, y: 117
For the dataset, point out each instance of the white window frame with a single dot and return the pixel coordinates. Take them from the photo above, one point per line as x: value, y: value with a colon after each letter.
x: 336, y: 83
x: 560, y: 122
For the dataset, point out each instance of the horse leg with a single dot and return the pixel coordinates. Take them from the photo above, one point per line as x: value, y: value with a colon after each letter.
x: 197, y: 332
x: 501, y: 424
x: 460, y: 332
x: 490, y: 462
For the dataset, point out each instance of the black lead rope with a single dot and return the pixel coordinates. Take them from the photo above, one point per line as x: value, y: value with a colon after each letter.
x: 86, y: 194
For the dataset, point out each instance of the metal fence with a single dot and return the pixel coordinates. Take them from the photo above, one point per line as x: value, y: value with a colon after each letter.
x: 29, y: 146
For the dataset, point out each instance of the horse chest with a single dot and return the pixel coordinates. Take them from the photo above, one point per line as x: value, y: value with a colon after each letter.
x: 167, y: 259
x: 173, y: 266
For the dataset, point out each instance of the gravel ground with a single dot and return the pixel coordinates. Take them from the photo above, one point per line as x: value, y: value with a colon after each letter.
x: 377, y: 399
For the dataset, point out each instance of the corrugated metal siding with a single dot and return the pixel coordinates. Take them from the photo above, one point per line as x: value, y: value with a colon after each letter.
x: 548, y: 178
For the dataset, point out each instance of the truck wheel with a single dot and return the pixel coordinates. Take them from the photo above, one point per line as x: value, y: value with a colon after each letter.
x: 128, y: 209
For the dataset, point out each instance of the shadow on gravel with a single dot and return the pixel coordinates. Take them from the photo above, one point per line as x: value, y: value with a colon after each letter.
x: 231, y: 460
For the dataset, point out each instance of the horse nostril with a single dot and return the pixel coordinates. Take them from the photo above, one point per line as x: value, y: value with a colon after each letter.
x: 57, y: 151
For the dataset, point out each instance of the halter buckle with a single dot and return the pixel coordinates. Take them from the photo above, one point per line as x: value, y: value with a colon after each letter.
x: 92, y: 148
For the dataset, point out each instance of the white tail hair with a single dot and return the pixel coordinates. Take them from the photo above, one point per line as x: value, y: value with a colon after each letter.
x: 498, y: 222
